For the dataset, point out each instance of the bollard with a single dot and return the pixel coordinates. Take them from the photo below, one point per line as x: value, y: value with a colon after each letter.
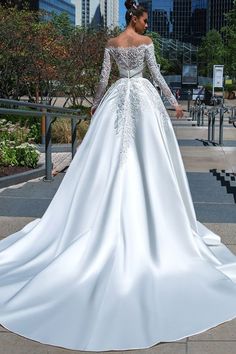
x: 203, y: 112
x: 43, y: 126
x: 73, y: 135
x: 48, y: 149
x: 213, y: 126
x: 194, y: 113
x: 221, y: 126
x: 209, y: 125
x: 198, y: 116
x: 189, y: 99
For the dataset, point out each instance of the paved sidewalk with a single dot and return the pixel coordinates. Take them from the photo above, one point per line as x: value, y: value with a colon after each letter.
x: 214, y: 207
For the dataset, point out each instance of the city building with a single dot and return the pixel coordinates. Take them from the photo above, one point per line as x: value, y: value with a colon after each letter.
x: 199, y: 18
x: 110, y: 13
x: 97, y: 13
x: 186, y: 20
x: 216, y: 11
x: 57, y: 6
x: 181, y: 19
x: 162, y: 18
x: 88, y: 12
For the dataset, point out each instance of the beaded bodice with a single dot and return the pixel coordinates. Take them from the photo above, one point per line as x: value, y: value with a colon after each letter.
x: 131, y: 62
x: 130, y: 89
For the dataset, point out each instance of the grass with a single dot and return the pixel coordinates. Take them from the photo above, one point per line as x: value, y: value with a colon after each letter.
x: 61, y: 131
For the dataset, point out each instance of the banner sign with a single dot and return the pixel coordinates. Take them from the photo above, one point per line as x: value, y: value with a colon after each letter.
x: 218, y: 76
x: 189, y: 74
x: 199, y: 92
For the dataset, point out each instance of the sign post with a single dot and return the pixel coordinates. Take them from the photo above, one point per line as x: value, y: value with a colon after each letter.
x: 218, y: 77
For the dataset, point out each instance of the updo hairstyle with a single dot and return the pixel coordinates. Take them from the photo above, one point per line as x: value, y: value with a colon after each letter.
x: 133, y: 10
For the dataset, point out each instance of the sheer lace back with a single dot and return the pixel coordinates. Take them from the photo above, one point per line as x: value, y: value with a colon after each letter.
x: 131, y: 62
x: 129, y: 58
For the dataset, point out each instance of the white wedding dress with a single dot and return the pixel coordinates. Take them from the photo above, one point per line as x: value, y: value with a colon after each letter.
x: 118, y: 260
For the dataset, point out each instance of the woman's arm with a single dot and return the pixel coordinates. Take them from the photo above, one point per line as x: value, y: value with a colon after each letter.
x: 159, y: 80
x: 103, y: 81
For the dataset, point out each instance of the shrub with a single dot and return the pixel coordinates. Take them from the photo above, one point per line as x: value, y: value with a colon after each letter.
x: 230, y: 87
x: 31, y: 124
x: 27, y: 155
x: 15, y: 149
x: 61, y: 130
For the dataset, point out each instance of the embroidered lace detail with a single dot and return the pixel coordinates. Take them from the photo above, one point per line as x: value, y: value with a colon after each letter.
x: 157, y: 101
x: 156, y: 75
x: 131, y: 58
x: 128, y: 101
x: 127, y: 113
x: 104, y: 77
x: 125, y: 57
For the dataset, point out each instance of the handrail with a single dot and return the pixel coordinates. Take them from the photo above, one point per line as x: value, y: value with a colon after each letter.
x: 58, y: 112
x: 39, y: 105
x: 198, y: 112
x: 232, y: 118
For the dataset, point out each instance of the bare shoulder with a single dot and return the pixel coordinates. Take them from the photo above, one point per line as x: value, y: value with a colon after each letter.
x: 147, y: 40
x: 112, y: 41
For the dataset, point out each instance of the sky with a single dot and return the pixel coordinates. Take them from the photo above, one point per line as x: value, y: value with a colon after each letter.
x: 122, y: 12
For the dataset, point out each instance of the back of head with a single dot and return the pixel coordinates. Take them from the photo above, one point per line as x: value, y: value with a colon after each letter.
x: 133, y: 10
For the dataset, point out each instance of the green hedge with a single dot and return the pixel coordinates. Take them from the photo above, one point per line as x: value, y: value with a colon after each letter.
x: 16, y: 148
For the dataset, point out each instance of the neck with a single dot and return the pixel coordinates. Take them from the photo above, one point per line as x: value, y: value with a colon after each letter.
x: 130, y: 29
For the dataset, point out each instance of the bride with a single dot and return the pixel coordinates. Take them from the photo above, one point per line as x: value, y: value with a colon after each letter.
x: 119, y: 261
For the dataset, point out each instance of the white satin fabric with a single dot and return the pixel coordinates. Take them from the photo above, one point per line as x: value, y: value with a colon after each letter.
x: 118, y: 260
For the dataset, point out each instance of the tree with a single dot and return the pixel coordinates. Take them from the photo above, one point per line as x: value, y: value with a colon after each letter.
x: 31, y: 50
x: 79, y: 73
x: 14, y: 30
x: 230, y: 39
x: 164, y: 63
x: 62, y: 24
x: 211, y: 52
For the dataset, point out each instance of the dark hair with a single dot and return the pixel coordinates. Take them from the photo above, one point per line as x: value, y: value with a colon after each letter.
x: 133, y: 10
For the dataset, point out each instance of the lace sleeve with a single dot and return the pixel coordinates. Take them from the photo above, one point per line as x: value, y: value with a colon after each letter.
x: 104, y: 77
x: 156, y: 75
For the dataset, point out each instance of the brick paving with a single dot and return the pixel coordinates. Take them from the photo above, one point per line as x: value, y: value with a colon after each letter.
x: 219, y: 215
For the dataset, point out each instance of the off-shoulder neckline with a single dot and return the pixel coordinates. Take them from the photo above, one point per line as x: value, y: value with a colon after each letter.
x: 130, y: 47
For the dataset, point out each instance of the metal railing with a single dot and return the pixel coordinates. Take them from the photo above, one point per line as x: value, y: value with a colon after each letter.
x: 199, y: 112
x: 232, y: 118
x: 51, y: 113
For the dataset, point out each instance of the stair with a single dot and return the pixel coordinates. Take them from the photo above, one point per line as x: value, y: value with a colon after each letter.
x: 227, y: 180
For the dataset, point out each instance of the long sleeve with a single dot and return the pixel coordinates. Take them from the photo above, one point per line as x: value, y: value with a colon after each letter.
x: 104, y: 77
x: 156, y: 75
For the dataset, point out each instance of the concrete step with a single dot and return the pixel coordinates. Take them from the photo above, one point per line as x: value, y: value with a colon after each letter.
x: 35, y: 189
x: 205, y: 188
x: 211, y: 201
x: 227, y: 180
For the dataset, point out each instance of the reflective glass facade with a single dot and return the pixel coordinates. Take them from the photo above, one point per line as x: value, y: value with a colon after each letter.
x: 162, y: 17
x: 85, y: 12
x: 186, y: 20
x: 58, y: 6
x: 181, y: 19
x: 198, y: 20
x: 217, y: 9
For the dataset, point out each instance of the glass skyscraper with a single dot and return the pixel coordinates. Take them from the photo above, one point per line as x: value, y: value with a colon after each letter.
x: 162, y: 17
x: 216, y: 10
x: 186, y: 20
x: 198, y: 26
x: 58, y: 6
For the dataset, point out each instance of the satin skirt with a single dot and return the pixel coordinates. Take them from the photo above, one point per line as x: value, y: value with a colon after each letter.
x: 118, y: 260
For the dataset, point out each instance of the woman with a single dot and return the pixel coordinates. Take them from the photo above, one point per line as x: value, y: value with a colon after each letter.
x: 119, y: 261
